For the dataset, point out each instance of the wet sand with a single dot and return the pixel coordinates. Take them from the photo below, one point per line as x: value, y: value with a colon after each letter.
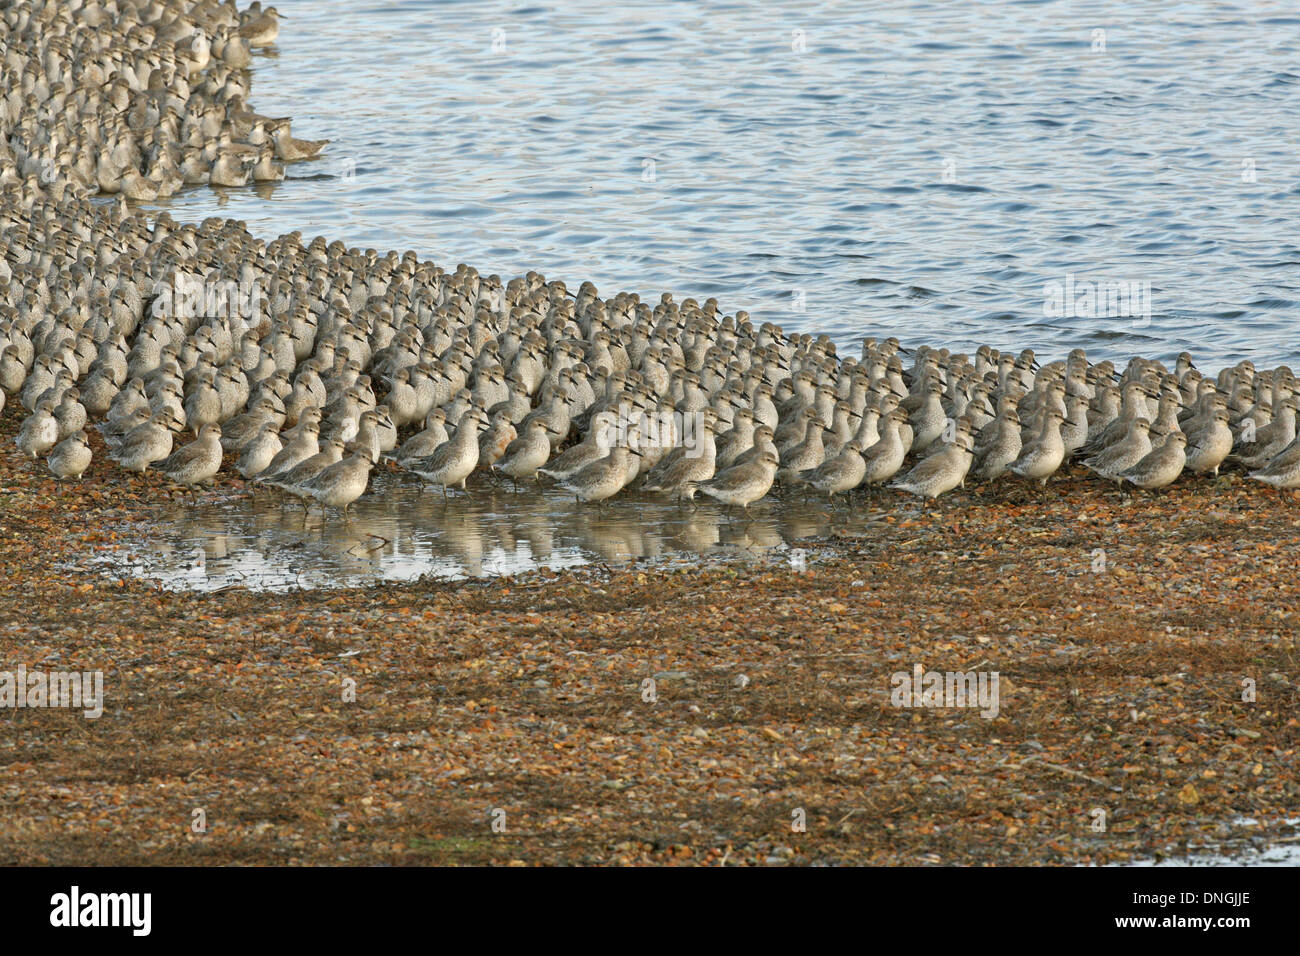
x: 1122, y: 629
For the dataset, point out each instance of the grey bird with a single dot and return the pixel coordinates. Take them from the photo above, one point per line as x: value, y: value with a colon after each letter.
x: 198, y: 462
x: 70, y: 457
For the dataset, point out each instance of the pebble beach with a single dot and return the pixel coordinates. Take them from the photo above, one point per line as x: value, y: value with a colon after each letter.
x: 1111, y: 543
x: 1121, y: 691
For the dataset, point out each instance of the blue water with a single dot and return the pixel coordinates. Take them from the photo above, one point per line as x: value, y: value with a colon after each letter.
x: 917, y: 169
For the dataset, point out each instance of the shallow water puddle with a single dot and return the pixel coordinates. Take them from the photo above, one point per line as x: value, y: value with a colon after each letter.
x: 1240, y: 848
x: 399, y: 531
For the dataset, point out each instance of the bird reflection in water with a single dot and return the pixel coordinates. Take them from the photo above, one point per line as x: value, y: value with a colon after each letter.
x: 403, y: 532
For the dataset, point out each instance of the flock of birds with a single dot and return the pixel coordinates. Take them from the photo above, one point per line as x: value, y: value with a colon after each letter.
x: 304, y: 364
x: 362, y: 357
x: 107, y: 97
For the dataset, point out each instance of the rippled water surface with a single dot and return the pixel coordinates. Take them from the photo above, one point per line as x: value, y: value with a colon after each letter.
x: 920, y: 169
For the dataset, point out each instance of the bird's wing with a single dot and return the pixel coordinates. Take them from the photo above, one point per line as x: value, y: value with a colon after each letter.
x: 440, y: 458
x: 732, y: 478
x: 926, y: 470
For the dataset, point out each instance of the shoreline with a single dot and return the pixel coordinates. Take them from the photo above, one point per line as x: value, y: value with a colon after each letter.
x: 526, y: 695
x: 703, y: 715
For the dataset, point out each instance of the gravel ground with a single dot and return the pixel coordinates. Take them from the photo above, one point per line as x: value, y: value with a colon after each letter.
x: 511, y: 722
